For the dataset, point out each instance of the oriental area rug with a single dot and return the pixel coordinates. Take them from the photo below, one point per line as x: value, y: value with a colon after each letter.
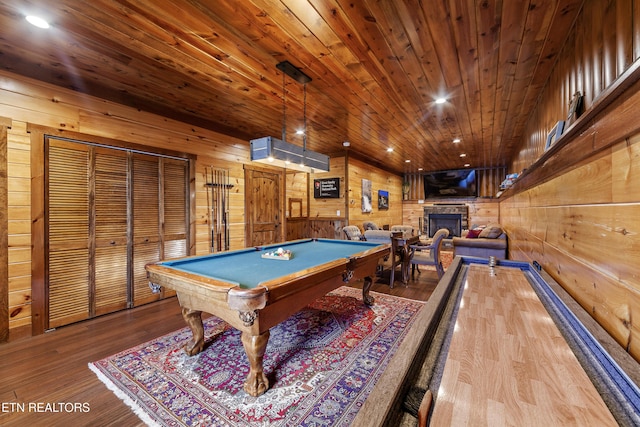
x: 322, y: 363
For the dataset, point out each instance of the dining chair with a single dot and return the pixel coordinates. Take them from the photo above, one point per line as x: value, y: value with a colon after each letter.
x: 406, y: 230
x: 428, y: 254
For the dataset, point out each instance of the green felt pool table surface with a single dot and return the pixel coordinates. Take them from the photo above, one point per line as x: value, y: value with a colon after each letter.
x: 246, y: 268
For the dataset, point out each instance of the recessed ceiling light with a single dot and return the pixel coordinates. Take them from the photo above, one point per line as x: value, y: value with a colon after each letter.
x: 420, y: 169
x: 441, y: 100
x: 300, y: 132
x: 466, y: 165
x: 463, y: 155
x: 407, y: 161
x: 37, y: 21
x: 389, y: 150
x: 346, y: 144
x: 455, y: 141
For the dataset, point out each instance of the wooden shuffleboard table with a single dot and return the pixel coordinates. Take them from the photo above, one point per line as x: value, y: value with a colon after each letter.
x: 511, y: 348
x: 255, y: 289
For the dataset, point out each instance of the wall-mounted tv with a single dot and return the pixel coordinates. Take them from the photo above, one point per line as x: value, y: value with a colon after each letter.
x: 451, y: 184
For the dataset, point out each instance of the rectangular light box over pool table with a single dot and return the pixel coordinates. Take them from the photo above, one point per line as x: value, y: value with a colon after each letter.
x: 253, y: 293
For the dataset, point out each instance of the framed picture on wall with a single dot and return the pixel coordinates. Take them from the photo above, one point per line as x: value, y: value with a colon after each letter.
x: 554, y: 134
x: 383, y: 200
x: 367, y: 205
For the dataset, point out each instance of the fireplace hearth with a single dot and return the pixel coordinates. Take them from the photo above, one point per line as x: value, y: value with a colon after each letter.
x: 452, y: 222
x: 453, y: 217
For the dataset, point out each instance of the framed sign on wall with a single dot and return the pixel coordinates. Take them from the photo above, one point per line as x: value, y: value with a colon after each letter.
x: 326, y: 188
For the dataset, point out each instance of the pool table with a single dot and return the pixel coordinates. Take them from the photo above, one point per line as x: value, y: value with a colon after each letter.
x: 253, y: 293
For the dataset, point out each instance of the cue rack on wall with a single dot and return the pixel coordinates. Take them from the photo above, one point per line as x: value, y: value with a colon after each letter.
x: 217, y: 181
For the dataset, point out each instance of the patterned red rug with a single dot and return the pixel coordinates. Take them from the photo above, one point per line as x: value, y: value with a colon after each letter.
x: 447, y: 258
x: 322, y: 364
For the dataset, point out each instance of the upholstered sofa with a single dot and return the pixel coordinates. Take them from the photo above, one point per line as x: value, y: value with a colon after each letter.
x: 482, y: 242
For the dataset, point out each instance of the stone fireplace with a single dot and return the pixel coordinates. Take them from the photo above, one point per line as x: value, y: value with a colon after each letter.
x: 453, y: 217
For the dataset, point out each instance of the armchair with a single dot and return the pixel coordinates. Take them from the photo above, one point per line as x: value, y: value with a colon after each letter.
x: 352, y: 232
x: 368, y: 225
x: 430, y: 254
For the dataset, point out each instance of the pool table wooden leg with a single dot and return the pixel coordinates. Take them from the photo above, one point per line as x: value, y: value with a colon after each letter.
x: 193, y: 318
x: 368, y: 299
x: 255, y: 345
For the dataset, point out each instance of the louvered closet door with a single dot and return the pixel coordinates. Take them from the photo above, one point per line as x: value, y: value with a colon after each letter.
x: 111, y: 263
x: 109, y: 213
x: 68, y: 233
x: 175, y: 212
x: 146, y: 223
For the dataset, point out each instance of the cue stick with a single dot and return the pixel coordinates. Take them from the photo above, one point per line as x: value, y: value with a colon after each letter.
x: 218, y: 236
x: 225, y: 218
x: 210, y: 206
x: 224, y: 210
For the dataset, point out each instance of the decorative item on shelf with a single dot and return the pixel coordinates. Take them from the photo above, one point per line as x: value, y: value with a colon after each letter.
x: 508, y: 181
x: 554, y: 134
x: 576, y: 106
x: 405, y: 190
x: 281, y: 254
x: 279, y: 152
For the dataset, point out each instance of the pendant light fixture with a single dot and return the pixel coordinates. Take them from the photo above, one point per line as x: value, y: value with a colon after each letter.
x: 279, y: 152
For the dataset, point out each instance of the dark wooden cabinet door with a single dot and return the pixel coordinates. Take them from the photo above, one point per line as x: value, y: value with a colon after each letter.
x: 263, y: 208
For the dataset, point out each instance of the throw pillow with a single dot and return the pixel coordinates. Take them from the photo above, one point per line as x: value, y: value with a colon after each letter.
x: 473, y: 234
x: 492, y: 232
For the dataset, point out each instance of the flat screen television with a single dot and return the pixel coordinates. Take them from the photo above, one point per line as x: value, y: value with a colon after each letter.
x: 451, y: 184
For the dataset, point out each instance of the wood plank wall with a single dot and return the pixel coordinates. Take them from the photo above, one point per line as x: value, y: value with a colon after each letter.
x: 576, y: 210
x: 19, y: 227
x: 380, y: 180
x: 297, y: 222
x: 28, y: 101
x: 4, y: 232
x: 328, y: 208
x: 25, y: 101
x: 328, y: 216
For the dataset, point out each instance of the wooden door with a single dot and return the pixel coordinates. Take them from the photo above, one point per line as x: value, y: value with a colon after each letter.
x: 263, y: 208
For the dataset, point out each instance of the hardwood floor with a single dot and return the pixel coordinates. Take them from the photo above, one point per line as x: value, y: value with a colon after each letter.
x: 45, y: 380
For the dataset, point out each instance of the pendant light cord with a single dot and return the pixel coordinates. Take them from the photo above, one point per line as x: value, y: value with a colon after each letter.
x: 284, y: 111
x: 304, y: 135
